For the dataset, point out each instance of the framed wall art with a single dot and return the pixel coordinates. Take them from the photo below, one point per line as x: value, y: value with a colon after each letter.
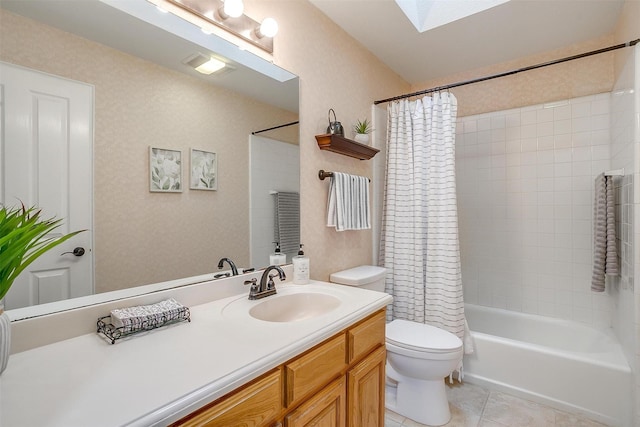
x: 204, y: 170
x: 165, y: 170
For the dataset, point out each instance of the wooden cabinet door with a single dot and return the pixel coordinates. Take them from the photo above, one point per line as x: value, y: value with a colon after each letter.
x: 255, y: 405
x: 366, y: 391
x: 327, y: 408
x: 366, y: 336
x: 310, y: 372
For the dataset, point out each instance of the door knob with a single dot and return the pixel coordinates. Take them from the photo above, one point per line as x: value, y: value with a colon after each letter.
x: 79, y: 251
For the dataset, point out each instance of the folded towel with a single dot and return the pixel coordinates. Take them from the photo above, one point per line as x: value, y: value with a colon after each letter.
x: 348, y: 202
x: 145, y: 316
x: 605, y: 255
x: 612, y: 266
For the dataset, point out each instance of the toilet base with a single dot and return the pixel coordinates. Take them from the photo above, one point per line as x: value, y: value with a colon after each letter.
x: 422, y: 401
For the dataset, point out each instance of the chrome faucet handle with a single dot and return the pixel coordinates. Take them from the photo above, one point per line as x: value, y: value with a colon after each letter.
x: 267, y: 287
x: 255, y: 287
x: 271, y: 284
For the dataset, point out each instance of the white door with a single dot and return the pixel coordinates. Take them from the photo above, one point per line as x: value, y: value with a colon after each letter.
x: 47, y: 161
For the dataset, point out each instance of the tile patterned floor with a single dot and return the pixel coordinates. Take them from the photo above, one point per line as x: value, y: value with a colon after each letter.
x: 473, y: 406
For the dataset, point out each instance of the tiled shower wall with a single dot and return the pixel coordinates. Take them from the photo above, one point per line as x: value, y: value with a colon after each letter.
x: 622, y: 156
x: 625, y: 150
x: 525, y: 183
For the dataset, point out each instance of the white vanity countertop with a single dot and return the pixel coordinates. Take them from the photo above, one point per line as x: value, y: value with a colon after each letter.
x: 158, y: 377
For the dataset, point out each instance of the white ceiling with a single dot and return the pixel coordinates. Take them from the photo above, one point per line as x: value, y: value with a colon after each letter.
x: 505, y: 32
x: 508, y: 31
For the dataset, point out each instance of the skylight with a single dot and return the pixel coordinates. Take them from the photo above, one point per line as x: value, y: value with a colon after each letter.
x: 428, y: 14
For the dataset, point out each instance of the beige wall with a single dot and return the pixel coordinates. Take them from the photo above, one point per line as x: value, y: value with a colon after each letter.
x: 335, y: 72
x: 571, y: 79
x: 143, y: 237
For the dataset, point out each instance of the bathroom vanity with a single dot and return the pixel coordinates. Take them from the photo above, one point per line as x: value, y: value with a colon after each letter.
x: 224, y: 365
x: 339, y: 382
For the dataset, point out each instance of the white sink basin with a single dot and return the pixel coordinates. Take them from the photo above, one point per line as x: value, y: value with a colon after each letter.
x: 294, y: 307
x: 292, y: 303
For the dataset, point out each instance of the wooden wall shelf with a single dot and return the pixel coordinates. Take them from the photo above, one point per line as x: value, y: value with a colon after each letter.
x: 341, y: 145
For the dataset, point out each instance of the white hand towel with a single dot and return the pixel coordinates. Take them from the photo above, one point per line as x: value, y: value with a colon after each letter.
x: 331, y: 204
x: 134, y: 318
x: 348, y: 202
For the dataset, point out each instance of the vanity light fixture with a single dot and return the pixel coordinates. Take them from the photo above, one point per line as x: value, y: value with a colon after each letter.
x: 228, y: 16
x: 268, y: 28
x: 232, y: 9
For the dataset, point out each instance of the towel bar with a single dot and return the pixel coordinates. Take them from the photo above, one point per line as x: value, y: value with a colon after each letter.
x: 615, y: 172
x: 322, y: 174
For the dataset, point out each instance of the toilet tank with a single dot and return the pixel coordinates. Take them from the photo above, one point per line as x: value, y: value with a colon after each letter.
x: 366, y: 276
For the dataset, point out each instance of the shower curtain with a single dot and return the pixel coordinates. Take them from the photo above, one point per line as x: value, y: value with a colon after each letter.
x: 419, y: 240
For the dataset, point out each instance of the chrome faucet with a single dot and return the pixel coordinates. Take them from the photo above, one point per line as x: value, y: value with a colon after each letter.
x: 234, y: 270
x: 266, y: 286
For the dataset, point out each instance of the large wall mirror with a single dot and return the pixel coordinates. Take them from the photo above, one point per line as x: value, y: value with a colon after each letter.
x: 146, y: 95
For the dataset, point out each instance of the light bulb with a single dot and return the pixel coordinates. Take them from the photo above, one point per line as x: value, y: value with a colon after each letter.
x: 268, y: 28
x: 233, y: 8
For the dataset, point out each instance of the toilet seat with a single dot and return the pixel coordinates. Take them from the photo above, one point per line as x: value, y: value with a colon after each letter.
x: 421, y: 338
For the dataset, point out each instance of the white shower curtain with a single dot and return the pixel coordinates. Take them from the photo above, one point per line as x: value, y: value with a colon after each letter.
x: 419, y: 239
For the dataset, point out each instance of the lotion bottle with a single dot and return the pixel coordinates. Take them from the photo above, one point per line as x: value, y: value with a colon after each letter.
x: 300, y: 268
x: 277, y: 257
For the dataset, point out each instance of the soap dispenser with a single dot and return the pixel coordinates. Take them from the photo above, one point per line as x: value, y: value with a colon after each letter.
x: 300, y: 268
x: 277, y: 257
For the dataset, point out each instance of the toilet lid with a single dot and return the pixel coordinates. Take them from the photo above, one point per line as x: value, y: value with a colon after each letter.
x: 420, y: 337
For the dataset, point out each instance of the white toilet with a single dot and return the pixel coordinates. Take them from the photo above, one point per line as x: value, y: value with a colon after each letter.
x: 419, y: 357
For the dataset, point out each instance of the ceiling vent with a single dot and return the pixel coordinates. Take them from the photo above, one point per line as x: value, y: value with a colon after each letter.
x: 199, y: 61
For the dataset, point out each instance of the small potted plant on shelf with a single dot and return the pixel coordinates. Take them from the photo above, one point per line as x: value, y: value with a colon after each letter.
x: 362, y: 130
x: 23, y: 238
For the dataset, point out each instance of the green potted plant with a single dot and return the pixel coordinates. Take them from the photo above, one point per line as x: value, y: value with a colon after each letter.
x: 362, y: 129
x: 23, y: 238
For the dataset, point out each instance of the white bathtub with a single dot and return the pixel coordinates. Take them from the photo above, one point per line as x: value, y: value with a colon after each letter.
x: 557, y: 362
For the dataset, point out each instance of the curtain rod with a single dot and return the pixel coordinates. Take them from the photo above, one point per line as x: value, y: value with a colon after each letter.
x: 508, y: 73
x: 275, y: 127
